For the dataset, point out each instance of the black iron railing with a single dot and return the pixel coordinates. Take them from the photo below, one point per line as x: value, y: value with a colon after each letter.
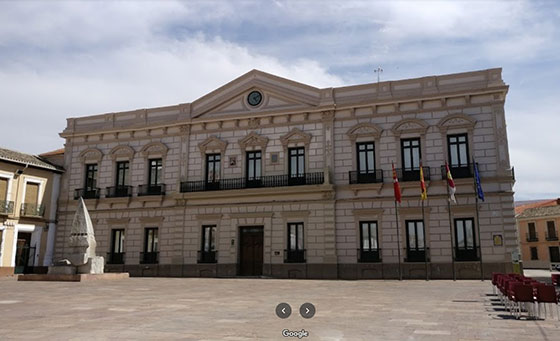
x: 412, y: 174
x: 115, y: 257
x: 207, y: 256
x: 149, y: 257
x: 365, y: 177
x: 417, y: 255
x: 532, y: 237
x: 467, y: 254
x: 458, y: 171
x: 151, y: 190
x: 551, y: 236
x: 369, y: 256
x: 6, y: 207
x: 294, y: 256
x: 118, y: 191
x: 32, y: 210
x: 89, y: 193
x: 264, y: 181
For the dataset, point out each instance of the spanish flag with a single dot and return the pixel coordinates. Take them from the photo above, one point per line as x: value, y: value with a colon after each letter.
x: 424, y: 194
x: 396, y: 186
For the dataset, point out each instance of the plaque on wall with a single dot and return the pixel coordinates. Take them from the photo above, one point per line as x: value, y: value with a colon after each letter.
x: 232, y: 161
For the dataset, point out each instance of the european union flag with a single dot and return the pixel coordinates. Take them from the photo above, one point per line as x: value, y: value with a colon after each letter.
x: 479, y: 191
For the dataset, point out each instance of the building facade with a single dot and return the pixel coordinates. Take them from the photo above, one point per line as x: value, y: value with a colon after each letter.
x: 538, y: 234
x: 29, y: 188
x: 266, y: 176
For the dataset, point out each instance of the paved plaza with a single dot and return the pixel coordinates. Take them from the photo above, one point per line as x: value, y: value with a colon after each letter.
x: 241, y: 309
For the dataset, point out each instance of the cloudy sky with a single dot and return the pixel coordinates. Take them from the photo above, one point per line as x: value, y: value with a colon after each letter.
x: 66, y: 58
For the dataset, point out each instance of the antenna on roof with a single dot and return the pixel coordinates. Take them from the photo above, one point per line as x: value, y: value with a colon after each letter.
x: 378, y: 71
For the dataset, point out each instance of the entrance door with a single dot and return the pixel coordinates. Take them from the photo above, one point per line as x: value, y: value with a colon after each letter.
x: 251, y: 251
x: 24, y: 253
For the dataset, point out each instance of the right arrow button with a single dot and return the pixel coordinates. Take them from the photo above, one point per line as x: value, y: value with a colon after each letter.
x: 307, y: 310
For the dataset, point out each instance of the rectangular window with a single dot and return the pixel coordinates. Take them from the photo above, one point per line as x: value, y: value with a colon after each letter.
x: 3, y: 189
x: 296, y: 251
x: 31, y: 193
x: 532, y: 235
x: 254, y: 167
x: 155, y: 172
x: 534, y: 253
x: 458, y: 150
x: 207, y: 252
x: 551, y: 230
x: 369, y: 242
x: 116, y: 256
x: 465, y: 244
x: 554, y: 254
x: 297, y: 162
x: 213, y: 167
x: 410, y: 154
x: 366, y: 157
x: 91, y: 177
x: 151, y: 239
x: 415, y: 246
x: 122, y: 173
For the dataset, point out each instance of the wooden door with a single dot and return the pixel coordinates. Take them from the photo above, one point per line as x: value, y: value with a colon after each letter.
x: 251, y: 251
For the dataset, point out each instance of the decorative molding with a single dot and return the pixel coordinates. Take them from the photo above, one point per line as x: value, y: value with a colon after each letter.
x: 296, y: 136
x: 153, y: 149
x: 91, y: 154
x: 122, y: 151
x: 295, y: 214
x: 253, y: 140
x: 217, y: 216
x: 251, y: 215
x: 117, y: 221
x: 212, y: 143
x: 410, y: 125
x: 364, y: 129
x: 456, y: 121
x: 368, y: 212
x: 151, y: 219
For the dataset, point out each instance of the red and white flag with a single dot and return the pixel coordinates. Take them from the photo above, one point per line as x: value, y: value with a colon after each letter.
x: 396, y: 185
x: 450, y: 183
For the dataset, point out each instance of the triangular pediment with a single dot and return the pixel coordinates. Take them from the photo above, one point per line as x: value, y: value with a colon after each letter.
x: 278, y: 94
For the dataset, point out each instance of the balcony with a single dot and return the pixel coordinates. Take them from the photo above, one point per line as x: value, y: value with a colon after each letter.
x: 363, y: 177
x: 467, y: 254
x: 144, y: 190
x: 115, y: 257
x: 417, y: 255
x: 369, y: 256
x: 32, y: 210
x: 207, y: 256
x: 412, y: 174
x: 118, y: 192
x: 532, y: 237
x: 89, y: 193
x: 294, y: 256
x: 551, y: 236
x: 149, y: 257
x: 6, y: 207
x: 264, y: 181
x: 458, y: 172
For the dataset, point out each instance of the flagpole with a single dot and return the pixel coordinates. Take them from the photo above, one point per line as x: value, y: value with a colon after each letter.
x: 398, y: 239
x: 425, y: 245
x: 450, y: 231
x: 477, y: 219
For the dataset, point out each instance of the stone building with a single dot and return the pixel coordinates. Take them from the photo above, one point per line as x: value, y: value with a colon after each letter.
x: 267, y: 176
x: 537, y: 225
x: 29, y: 187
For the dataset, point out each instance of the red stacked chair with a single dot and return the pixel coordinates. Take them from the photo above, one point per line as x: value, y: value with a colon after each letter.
x: 547, y: 294
x: 555, y: 279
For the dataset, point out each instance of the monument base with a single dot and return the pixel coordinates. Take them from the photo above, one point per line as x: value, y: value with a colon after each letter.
x: 94, y: 266
x: 74, y: 277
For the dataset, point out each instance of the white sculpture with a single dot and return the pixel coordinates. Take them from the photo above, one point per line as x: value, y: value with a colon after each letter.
x: 81, y: 256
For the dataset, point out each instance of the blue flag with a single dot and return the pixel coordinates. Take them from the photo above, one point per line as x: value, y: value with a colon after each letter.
x: 479, y: 191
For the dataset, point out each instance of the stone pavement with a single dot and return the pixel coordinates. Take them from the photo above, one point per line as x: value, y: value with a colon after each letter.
x: 241, y: 309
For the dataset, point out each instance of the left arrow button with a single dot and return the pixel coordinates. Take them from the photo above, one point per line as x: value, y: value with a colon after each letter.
x: 283, y: 310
